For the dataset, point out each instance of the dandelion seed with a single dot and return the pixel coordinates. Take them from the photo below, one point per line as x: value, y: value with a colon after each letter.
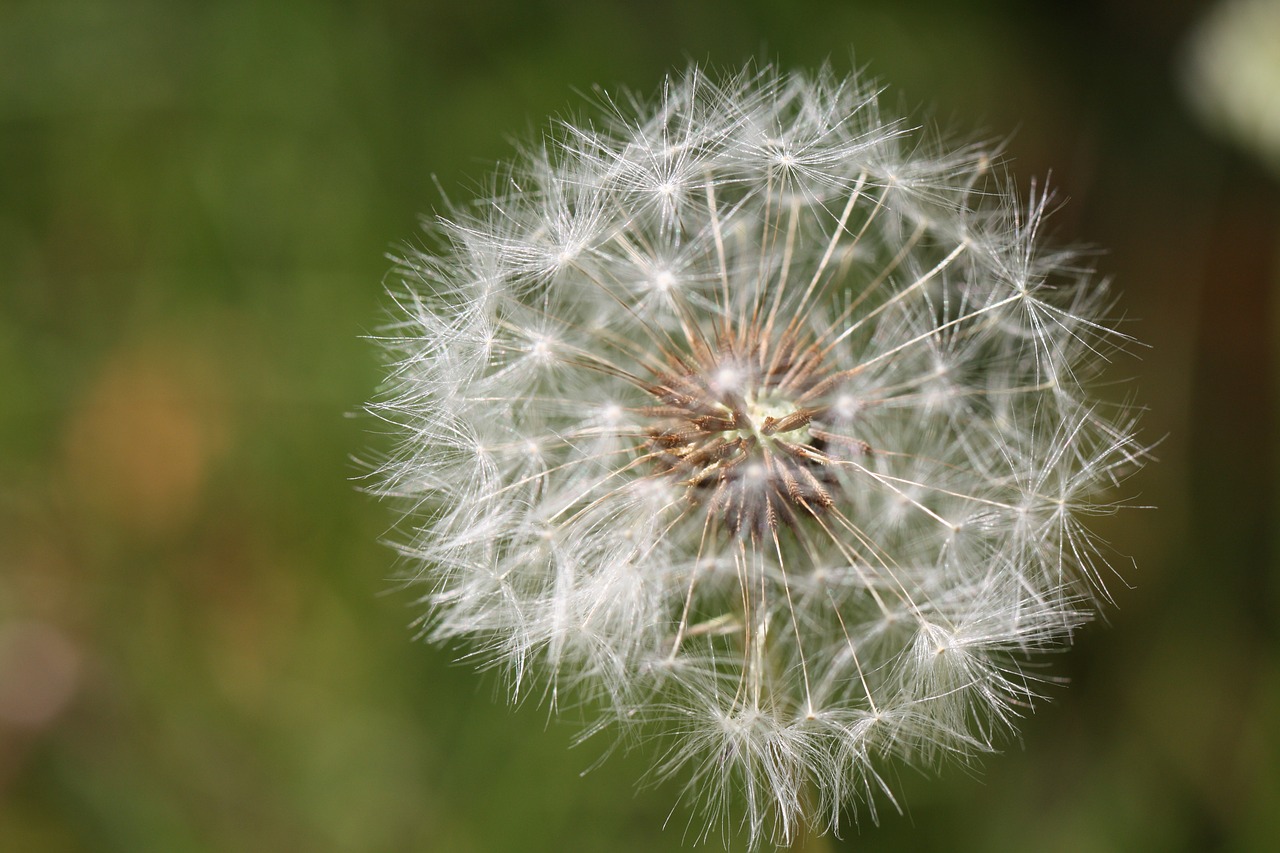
x: 759, y: 421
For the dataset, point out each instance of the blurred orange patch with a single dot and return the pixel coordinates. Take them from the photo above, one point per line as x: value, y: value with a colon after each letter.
x: 139, y: 445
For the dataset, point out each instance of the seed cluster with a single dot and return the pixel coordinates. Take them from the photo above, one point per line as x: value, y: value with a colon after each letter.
x: 729, y: 427
x: 763, y: 424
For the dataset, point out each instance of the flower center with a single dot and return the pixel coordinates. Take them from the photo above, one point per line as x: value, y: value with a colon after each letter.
x: 729, y: 424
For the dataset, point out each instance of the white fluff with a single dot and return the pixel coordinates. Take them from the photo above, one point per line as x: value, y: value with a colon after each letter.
x: 587, y: 374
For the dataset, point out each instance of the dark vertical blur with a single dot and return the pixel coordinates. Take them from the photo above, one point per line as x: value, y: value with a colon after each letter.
x: 199, y: 646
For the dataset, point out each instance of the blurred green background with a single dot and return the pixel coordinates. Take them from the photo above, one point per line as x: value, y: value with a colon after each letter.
x: 200, y: 646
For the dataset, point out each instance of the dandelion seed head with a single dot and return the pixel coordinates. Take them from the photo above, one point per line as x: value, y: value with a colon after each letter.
x: 761, y: 421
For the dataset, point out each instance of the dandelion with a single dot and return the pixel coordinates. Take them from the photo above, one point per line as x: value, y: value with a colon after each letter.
x: 757, y: 421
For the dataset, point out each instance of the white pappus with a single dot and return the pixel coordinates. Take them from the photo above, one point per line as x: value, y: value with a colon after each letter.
x: 758, y: 420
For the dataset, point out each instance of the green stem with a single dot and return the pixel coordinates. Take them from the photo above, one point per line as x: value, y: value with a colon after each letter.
x: 808, y: 840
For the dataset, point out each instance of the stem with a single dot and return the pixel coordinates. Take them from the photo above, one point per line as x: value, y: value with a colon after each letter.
x: 808, y: 841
